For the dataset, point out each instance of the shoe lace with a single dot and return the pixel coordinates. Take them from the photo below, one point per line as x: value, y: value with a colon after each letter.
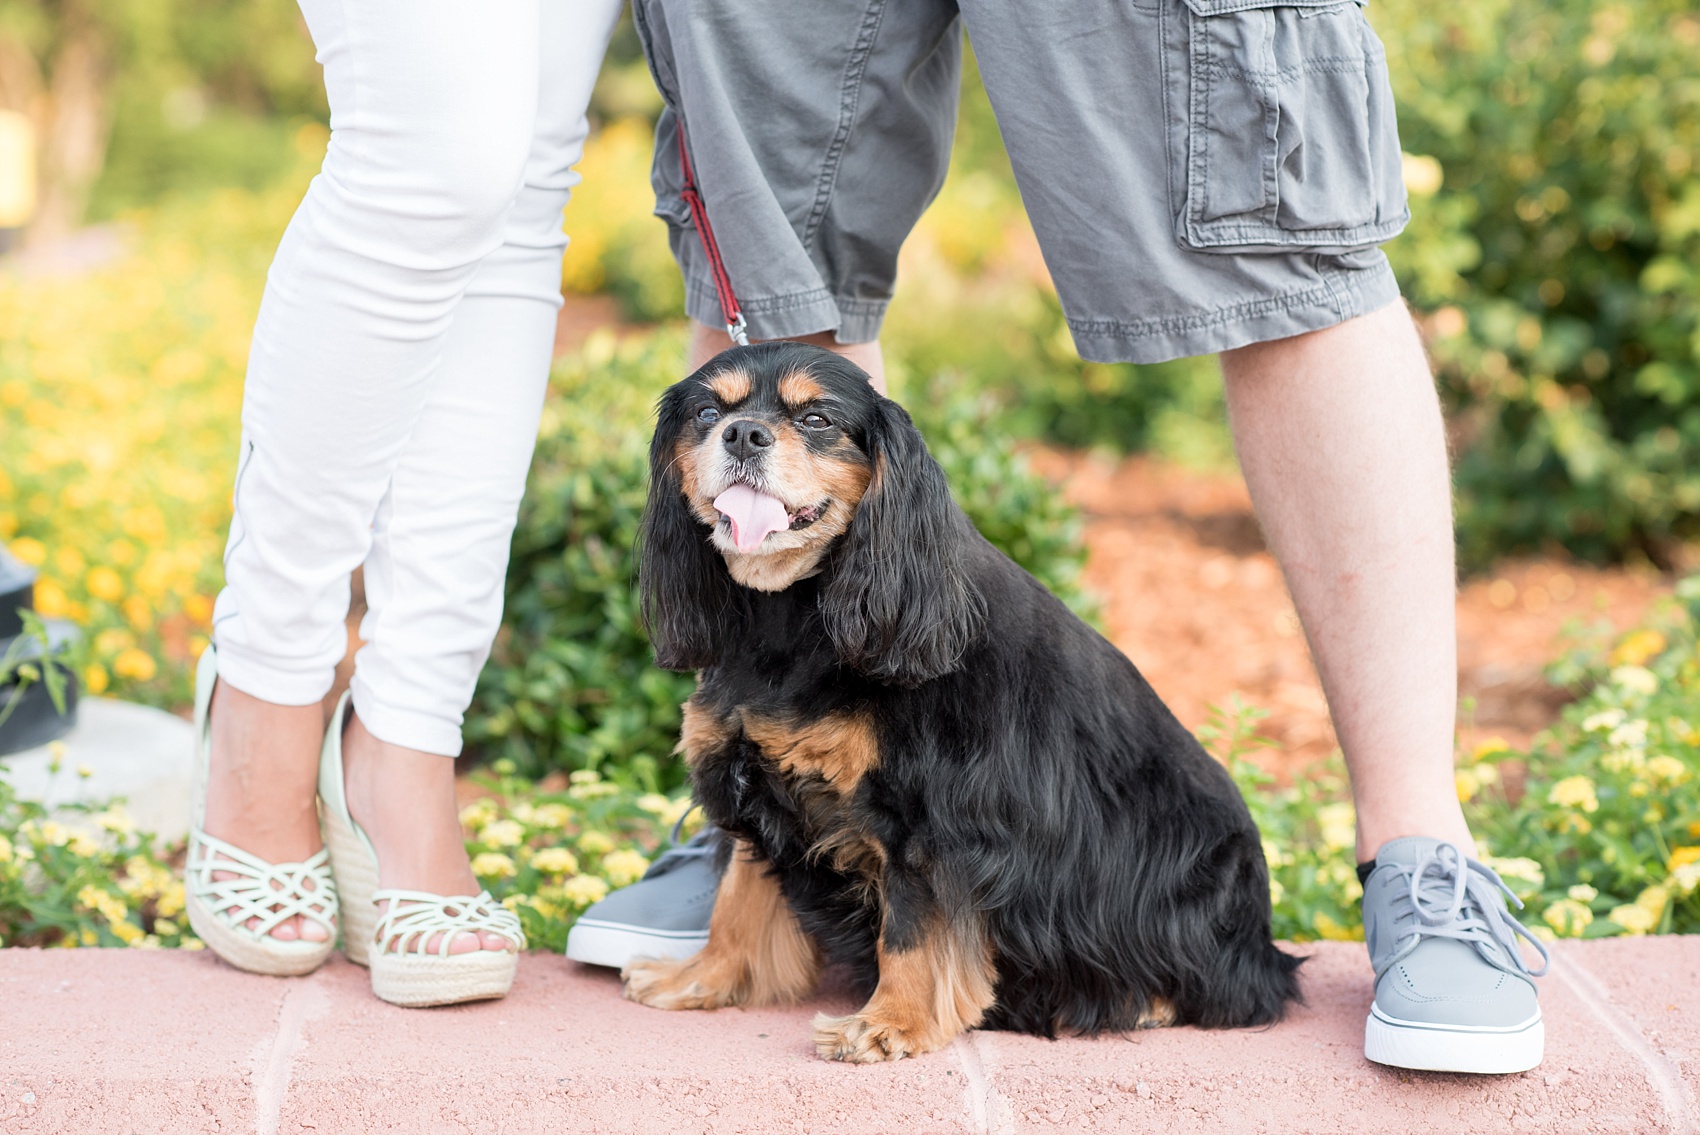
x: 699, y: 846
x: 1453, y: 897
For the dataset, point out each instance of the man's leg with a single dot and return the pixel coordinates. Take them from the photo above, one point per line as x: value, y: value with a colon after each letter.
x: 1340, y: 437
x: 1339, y: 434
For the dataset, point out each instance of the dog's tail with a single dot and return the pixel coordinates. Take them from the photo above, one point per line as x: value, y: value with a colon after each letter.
x: 1254, y: 985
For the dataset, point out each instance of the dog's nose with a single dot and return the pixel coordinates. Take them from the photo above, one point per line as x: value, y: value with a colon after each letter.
x: 745, y: 438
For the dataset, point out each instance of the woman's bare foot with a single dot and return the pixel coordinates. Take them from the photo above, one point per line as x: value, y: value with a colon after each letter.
x: 405, y: 800
x: 262, y: 787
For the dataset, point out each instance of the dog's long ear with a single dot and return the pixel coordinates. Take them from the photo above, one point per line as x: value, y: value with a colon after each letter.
x: 684, y: 591
x: 900, y: 605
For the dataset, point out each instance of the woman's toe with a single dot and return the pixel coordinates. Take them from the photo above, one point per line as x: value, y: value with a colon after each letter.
x: 312, y: 930
x: 286, y: 931
x: 493, y: 941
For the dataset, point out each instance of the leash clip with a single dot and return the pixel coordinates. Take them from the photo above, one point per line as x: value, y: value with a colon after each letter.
x: 737, y: 331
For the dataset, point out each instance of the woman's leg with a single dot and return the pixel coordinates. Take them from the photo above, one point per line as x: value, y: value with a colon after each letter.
x: 435, y: 574
x: 432, y: 108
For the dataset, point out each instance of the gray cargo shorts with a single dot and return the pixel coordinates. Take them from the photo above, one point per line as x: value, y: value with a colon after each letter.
x: 1201, y: 174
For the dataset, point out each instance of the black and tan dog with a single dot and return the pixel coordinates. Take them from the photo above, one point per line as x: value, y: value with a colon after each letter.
x: 930, y: 770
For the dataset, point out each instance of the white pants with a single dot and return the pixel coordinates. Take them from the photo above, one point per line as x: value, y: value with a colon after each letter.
x: 401, y: 354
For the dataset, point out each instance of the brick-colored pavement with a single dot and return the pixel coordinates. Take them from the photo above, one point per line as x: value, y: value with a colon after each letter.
x: 131, y: 1041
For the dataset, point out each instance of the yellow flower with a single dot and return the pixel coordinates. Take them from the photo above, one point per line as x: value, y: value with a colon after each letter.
x: 1333, y: 931
x: 624, y: 867
x: 82, y: 846
x: 128, y: 932
x: 112, y: 640
x: 1603, y: 721
x: 1422, y: 174
x: 1685, y: 878
x: 199, y: 608
x: 592, y: 790
x: 5, y: 850
x: 51, y: 600
x: 584, y: 776
x: 33, y: 552
x: 1680, y: 856
x: 1467, y: 783
x: 595, y: 843
x: 555, y: 861
x: 1517, y: 870
x: 1338, y: 825
x: 95, y: 679
x: 1635, y: 919
x: 1667, y: 770
x: 50, y: 832
x: 137, y: 613
x: 551, y: 816
x: 1568, y: 918
x: 1630, y: 735
x: 502, y: 833
x: 115, y: 820
x: 654, y: 803
x: 164, y: 926
x: 170, y: 900
x: 478, y: 813
x: 1653, y: 899
x: 1582, y: 892
x: 582, y: 890
x: 191, y: 944
x: 136, y: 665
x: 1637, y: 647
x: 105, y: 584
x: 1489, y: 747
x: 493, y: 865
x: 1574, y: 792
x: 1575, y: 822
x: 1636, y: 680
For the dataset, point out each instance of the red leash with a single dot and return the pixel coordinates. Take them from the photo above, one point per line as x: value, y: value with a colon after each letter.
x: 735, y: 325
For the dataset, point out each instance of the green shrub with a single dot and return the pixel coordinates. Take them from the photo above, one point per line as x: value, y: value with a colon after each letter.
x: 1609, y: 814
x: 571, y: 683
x: 84, y: 877
x: 1596, y: 828
x: 1556, y: 245
x: 546, y: 855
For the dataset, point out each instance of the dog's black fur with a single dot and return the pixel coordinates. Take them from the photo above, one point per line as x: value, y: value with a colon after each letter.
x: 1030, y: 788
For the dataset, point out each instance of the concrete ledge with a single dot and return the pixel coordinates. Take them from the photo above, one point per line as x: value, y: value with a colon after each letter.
x: 126, y: 1041
x: 132, y: 751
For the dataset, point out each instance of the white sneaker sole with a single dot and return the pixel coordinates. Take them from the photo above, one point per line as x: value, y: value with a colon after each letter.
x: 1454, y: 1048
x: 610, y: 944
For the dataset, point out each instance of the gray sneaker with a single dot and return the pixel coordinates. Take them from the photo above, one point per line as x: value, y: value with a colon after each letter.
x: 663, y: 915
x: 1452, y: 992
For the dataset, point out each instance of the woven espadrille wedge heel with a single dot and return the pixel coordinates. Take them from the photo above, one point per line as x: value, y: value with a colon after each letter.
x: 267, y: 893
x: 396, y: 942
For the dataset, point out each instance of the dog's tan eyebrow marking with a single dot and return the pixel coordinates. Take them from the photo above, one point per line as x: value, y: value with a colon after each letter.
x: 731, y: 387
x: 799, y: 389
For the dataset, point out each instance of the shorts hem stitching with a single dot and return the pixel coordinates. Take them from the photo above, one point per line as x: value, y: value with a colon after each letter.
x: 1340, y: 292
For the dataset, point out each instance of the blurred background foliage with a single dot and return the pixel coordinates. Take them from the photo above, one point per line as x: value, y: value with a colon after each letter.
x: 1551, y: 148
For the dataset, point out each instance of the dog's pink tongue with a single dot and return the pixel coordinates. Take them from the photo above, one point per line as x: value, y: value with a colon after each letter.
x: 753, y: 515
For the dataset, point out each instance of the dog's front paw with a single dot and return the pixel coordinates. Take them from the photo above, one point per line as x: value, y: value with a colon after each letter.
x: 668, y: 984
x: 858, y: 1040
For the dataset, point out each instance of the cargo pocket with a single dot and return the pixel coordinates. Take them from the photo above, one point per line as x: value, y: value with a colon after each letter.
x: 1291, y: 141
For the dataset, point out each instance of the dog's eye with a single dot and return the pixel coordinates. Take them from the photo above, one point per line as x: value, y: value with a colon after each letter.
x: 708, y: 414
x: 816, y: 421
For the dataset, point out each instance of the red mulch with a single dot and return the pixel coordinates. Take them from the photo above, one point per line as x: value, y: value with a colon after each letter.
x: 1191, y: 595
